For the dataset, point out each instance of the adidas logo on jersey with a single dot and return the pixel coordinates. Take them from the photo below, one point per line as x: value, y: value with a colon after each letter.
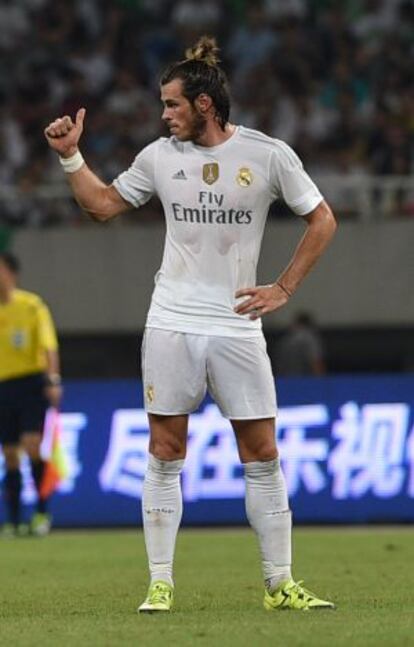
x: 180, y: 175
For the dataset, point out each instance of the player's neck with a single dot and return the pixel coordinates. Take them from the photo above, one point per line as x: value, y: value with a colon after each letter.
x: 6, y: 294
x: 214, y: 135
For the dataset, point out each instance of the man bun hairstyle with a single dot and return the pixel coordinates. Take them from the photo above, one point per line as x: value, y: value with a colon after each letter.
x: 204, y: 50
x: 201, y: 74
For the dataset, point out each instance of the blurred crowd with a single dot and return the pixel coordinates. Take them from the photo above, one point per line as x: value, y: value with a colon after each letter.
x: 333, y: 79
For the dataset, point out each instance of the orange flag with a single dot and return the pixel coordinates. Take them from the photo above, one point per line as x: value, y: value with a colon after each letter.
x: 56, y: 468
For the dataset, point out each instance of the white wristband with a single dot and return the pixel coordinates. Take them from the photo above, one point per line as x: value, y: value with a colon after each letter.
x: 72, y: 164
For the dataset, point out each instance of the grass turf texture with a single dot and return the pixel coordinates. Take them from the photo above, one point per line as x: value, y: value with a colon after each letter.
x: 82, y: 588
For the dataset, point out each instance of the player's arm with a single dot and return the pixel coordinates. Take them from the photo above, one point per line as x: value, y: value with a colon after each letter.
x: 97, y: 199
x: 321, y: 226
x: 53, y: 388
x: 47, y: 337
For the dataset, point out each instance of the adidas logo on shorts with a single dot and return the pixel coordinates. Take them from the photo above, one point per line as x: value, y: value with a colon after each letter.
x: 180, y: 175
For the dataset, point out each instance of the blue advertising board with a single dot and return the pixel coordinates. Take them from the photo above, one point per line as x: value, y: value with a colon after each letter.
x: 346, y: 444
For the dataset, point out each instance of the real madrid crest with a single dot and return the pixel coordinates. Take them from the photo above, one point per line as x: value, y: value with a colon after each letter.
x: 211, y: 172
x: 244, y: 177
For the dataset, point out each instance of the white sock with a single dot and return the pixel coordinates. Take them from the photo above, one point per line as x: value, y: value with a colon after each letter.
x: 267, y: 509
x: 162, y: 509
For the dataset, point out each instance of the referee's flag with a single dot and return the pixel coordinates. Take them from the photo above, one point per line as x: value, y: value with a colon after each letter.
x: 53, y: 452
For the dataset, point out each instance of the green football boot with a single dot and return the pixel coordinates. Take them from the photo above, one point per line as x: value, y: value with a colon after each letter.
x: 8, y: 531
x: 160, y: 597
x: 292, y: 595
x: 40, y: 524
x: 22, y: 530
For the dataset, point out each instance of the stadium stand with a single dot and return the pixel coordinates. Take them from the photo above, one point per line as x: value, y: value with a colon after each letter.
x: 334, y: 80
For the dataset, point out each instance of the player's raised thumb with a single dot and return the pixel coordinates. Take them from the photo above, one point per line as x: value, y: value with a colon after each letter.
x: 80, y: 116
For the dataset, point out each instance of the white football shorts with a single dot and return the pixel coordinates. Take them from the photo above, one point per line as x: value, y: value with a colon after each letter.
x: 178, y: 368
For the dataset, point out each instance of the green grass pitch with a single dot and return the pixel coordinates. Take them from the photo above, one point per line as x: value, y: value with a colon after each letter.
x: 82, y: 588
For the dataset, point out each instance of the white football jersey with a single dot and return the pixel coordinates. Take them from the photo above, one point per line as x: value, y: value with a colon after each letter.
x: 215, y: 201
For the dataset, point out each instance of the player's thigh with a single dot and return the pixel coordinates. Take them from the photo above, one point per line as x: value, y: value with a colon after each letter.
x: 255, y: 439
x: 9, y: 427
x: 173, y: 371
x: 9, y: 420
x: 240, y: 377
x: 168, y: 436
x: 30, y: 442
x: 32, y: 406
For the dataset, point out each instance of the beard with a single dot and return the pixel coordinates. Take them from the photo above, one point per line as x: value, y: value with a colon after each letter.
x: 196, y: 128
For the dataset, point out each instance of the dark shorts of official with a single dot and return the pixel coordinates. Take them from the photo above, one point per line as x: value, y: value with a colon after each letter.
x: 23, y: 407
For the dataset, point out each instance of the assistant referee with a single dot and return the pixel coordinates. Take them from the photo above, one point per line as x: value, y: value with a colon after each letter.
x: 29, y: 382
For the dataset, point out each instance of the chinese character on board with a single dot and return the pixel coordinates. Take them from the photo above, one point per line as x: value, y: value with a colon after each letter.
x: 370, y: 453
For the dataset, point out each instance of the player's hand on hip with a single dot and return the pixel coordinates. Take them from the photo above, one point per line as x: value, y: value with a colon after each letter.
x: 261, y: 300
x: 63, y: 134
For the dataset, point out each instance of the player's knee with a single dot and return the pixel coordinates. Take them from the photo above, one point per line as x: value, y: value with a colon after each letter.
x: 264, y: 451
x: 31, y: 445
x: 266, y: 454
x: 167, y: 449
x: 11, y: 457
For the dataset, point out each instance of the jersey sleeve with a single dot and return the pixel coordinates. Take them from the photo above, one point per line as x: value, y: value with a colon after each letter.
x: 46, y: 328
x: 291, y: 183
x: 137, y: 184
